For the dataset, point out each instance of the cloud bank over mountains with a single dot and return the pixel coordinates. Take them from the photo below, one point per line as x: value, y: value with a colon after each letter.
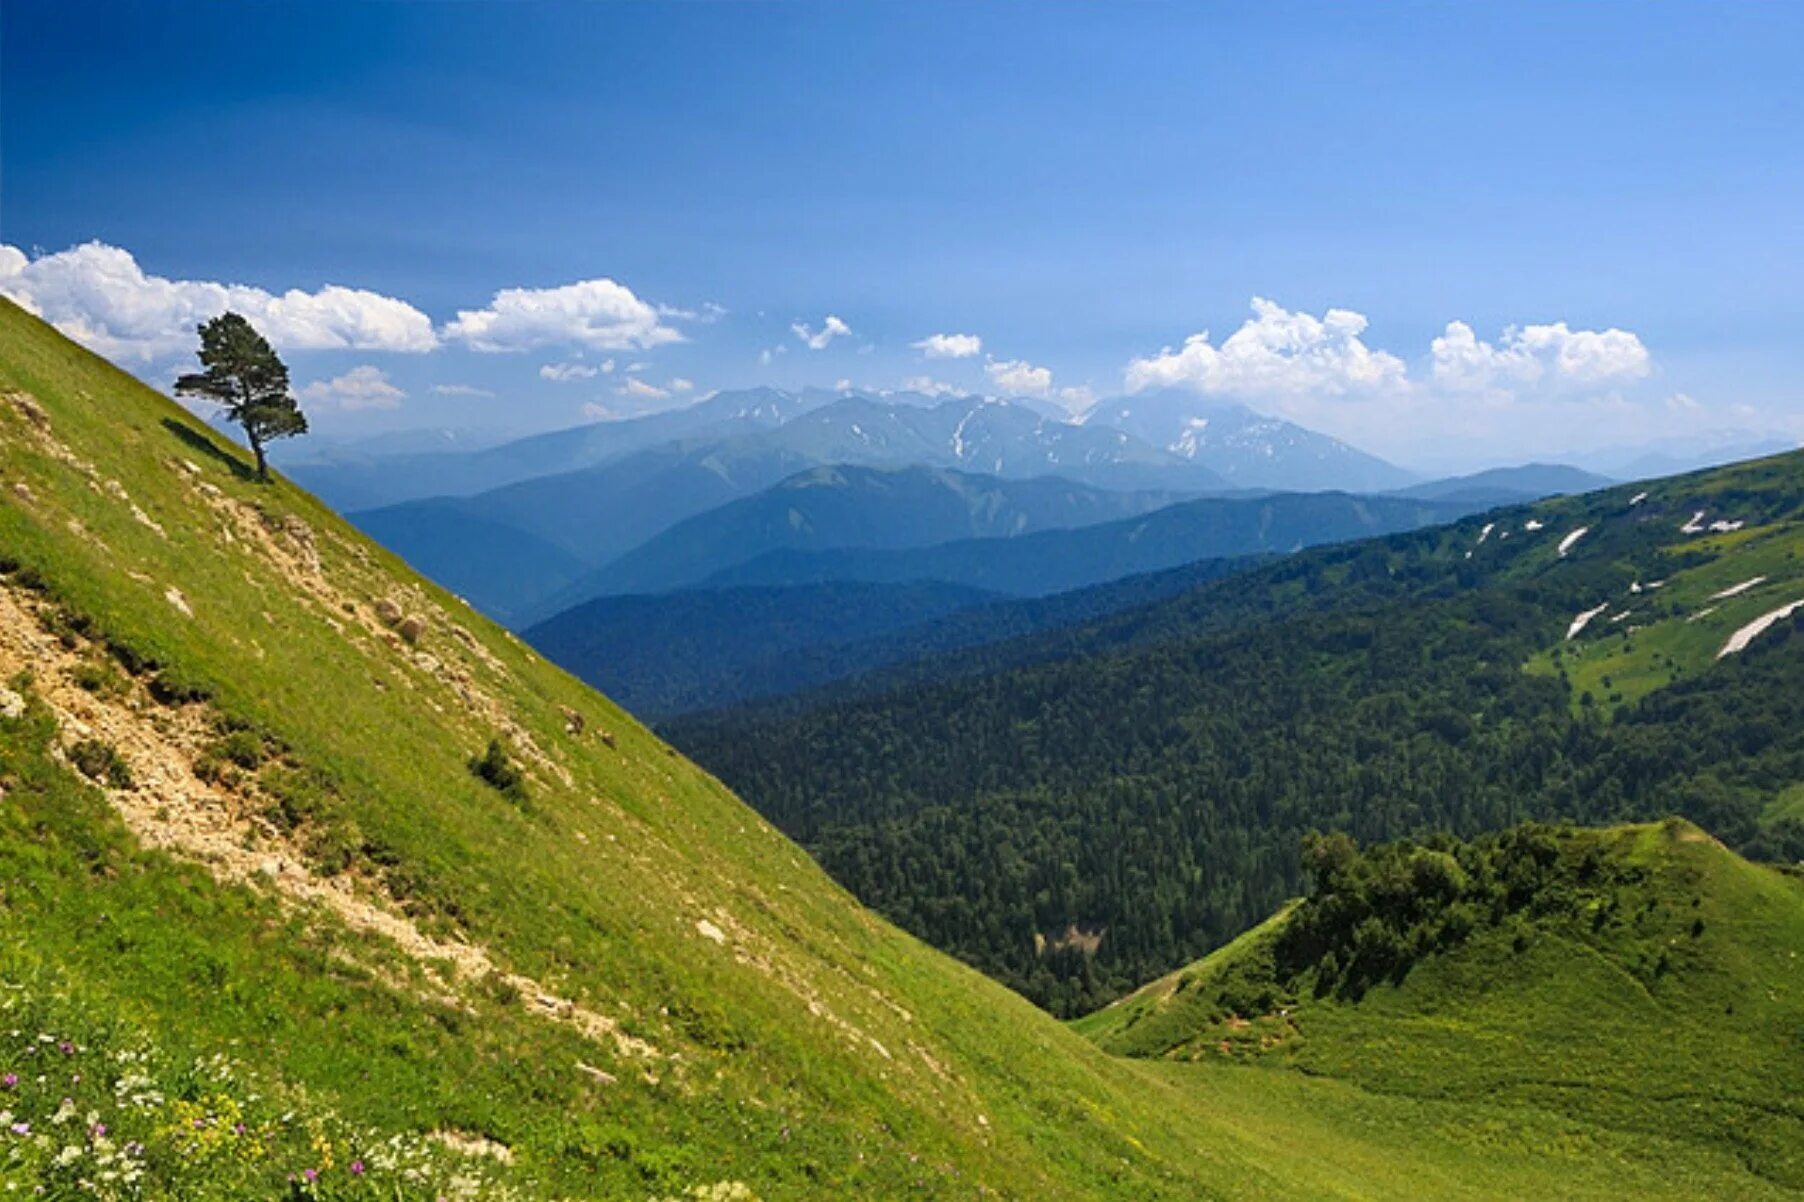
x: 1319, y: 370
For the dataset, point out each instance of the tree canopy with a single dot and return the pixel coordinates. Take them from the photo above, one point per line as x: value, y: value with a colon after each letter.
x: 243, y: 375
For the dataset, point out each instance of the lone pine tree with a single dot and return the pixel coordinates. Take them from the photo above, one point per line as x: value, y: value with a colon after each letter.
x: 244, y: 375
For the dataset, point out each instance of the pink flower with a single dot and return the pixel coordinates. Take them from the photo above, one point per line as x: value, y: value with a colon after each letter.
x: 357, y: 1168
x: 11, y: 1080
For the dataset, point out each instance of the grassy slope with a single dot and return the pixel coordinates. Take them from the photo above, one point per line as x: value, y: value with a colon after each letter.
x: 803, y: 1046
x: 1689, y: 992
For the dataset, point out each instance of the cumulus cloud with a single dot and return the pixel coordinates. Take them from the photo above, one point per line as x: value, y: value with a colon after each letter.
x: 365, y: 387
x: 949, y: 346
x: 1552, y: 355
x: 565, y: 372
x: 597, y: 314
x: 469, y: 390
x: 1534, y: 390
x: 1078, y: 397
x: 679, y: 384
x: 98, y: 295
x: 635, y: 387
x: 1017, y: 377
x: 817, y: 340
x: 1275, y: 353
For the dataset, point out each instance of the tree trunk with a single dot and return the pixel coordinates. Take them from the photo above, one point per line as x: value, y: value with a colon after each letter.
x: 262, y: 460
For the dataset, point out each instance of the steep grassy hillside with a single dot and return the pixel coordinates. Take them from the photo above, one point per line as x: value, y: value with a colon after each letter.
x: 1455, y: 971
x: 1105, y: 802
x: 265, y: 932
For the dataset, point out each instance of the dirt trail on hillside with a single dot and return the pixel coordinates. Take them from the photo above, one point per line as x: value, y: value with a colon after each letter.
x: 169, y: 808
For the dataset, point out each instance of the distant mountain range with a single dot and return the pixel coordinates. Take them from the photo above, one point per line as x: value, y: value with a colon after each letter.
x: 1158, y: 439
x: 641, y: 477
x: 1247, y: 449
x: 871, y: 509
x: 369, y: 481
x: 1510, y: 485
x: 1056, y: 560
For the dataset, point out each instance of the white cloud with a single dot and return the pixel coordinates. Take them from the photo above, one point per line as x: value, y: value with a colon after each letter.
x: 1275, y: 353
x: 1078, y: 397
x: 1554, y: 356
x: 709, y: 312
x: 365, y: 387
x: 1017, y: 377
x: 635, y: 387
x: 564, y: 372
x: 461, y: 390
x: 817, y: 340
x: 769, y: 354
x: 929, y: 386
x: 679, y: 384
x: 99, y: 296
x: 598, y: 411
x: 843, y: 384
x: 598, y: 314
x: 949, y: 346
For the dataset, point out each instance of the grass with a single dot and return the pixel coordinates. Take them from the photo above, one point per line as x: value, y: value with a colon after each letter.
x: 1682, y: 973
x: 240, y: 635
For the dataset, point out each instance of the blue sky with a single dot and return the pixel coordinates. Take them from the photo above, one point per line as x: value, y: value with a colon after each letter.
x: 1078, y: 186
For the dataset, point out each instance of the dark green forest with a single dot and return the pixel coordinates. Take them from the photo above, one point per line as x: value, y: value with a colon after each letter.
x: 1152, y: 782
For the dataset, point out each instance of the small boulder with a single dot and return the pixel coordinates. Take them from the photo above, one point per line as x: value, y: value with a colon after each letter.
x: 11, y: 704
x: 388, y: 612
x: 411, y: 628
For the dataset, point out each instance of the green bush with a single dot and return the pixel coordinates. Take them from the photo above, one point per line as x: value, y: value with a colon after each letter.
x: 99, y: 762
x: 496, y: 767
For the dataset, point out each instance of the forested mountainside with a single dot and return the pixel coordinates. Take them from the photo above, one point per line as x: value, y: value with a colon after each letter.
x: 667, y: 653
x: 1078, y: 825
x: 683, y: 652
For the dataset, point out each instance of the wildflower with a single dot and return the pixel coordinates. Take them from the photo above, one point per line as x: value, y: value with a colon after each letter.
x: 66, y: 1048
x: 310, y: 1174
x: 98, y: 1130
x: 21, y: 1128
x: 11, y: 1080
x: 357, y: 1168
